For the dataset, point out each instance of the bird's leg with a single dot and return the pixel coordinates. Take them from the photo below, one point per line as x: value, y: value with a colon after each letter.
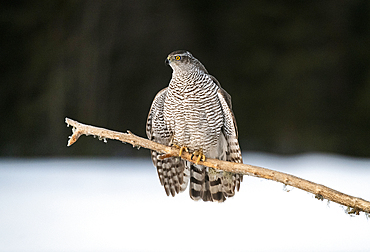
x: 199, y: 154
x: 182, y: 149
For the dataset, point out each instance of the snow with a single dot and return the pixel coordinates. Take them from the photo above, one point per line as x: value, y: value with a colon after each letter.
x: 118, y: 205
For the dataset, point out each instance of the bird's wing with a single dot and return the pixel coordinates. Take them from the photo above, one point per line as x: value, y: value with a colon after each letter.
x: 172, y: 172
x: 233, y: 152
x: 155, y: 116
x: 230, y: 127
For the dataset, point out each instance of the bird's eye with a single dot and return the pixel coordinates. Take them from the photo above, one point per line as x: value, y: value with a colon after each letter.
x: 177, y: 57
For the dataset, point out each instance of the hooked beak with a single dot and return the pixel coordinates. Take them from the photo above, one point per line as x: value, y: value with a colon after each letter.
x: 167, y: 61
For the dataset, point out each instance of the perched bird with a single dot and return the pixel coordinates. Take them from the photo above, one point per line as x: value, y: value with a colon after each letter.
x: 194, y: 114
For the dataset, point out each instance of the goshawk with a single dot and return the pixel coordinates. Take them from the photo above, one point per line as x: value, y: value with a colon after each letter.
x: 194, y: 113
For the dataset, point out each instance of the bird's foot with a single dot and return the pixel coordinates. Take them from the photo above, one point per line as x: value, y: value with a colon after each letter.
x: 199, y: 154
x: 182, y: 149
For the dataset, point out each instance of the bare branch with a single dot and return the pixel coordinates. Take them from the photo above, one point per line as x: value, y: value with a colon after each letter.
x: 321, y: 192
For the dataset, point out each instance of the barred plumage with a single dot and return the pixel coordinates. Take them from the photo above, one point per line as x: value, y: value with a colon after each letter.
x: 195, y: 112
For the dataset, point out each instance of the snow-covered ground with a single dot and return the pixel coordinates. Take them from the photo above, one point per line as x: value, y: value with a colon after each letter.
x: 119, y: 205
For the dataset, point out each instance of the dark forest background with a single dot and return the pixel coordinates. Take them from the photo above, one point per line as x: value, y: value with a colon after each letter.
x: 298, y: 71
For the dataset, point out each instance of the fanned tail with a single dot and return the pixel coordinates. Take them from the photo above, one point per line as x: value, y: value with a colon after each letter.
x: 207, y: 184
x: 214, y: 185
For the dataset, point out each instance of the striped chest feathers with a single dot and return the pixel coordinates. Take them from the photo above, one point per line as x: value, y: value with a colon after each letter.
x: 193, y: 113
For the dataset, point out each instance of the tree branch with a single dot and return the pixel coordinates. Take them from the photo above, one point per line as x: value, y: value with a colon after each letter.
x: 354, y: 205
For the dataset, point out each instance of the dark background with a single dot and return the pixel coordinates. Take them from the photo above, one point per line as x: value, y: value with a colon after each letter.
x: 298, y: 71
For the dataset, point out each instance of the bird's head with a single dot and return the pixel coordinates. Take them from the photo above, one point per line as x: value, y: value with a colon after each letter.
x: 184, y: 61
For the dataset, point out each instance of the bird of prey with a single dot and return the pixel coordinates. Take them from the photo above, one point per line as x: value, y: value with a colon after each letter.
x: 194, y: 114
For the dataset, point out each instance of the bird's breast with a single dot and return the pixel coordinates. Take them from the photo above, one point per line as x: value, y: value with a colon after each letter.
x: 194, y: 117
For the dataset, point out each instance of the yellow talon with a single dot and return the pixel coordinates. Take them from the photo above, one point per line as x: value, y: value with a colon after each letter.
x: 200, y: 155
x: 183, y: 148
x: 198, y: 159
